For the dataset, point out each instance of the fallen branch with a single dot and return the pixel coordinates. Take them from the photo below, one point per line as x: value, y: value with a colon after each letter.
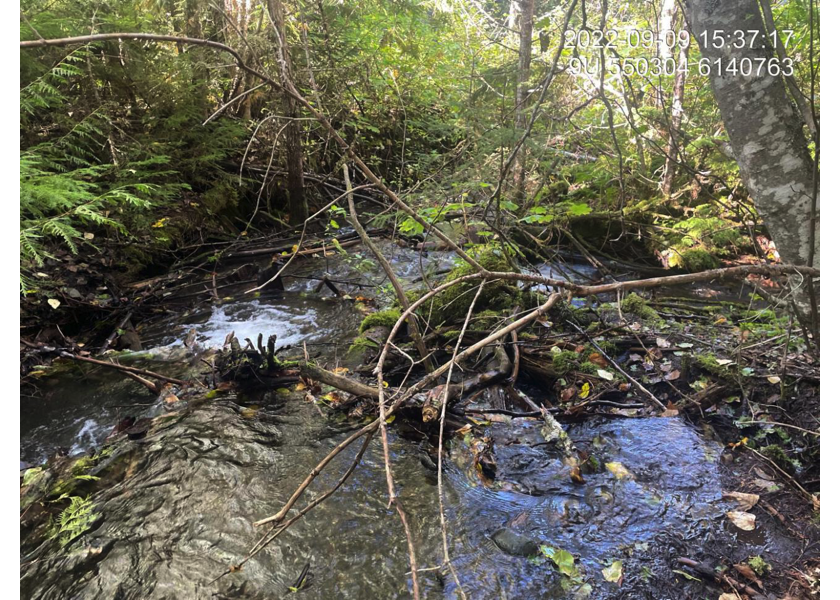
x: 272, y: 534
x: 313, y: 371
x: 125, y: 369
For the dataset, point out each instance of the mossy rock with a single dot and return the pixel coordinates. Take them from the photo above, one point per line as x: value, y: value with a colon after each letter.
x: 383, y: 318
x: 636, y: 305
x: 361, y: 342
x: 358, y: 350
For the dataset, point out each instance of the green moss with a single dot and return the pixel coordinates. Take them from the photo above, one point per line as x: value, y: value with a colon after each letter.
x: 695, y: 260
x: 636, y: 305
x: 452, y: 304
x: 759, y: 565
x: 607, y: 346
x: 361, y: 343
x: 564, y: 361
x: 709, y: 362
x: 778, y: 455
x: 383, y: 318
x: 83, y: 465
x: 589, y: 368
x: 486, y: 320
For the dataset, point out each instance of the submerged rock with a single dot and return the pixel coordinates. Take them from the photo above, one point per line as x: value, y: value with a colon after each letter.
x: 514, y: 544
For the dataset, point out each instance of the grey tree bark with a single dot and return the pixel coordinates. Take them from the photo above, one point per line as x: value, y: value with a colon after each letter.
x: 765, y: 130
x: 672, y: 150
x: 667, y: 22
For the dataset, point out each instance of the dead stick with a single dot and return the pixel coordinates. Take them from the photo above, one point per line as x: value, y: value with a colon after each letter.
x: 148, y: 384
x: 114, y: 333
x: 413, y: 328
x: 271, y: 535
x: 297, y: 251
x: 515, y: 339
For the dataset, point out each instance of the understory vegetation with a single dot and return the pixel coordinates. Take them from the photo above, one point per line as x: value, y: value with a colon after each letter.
x: 546, y: 211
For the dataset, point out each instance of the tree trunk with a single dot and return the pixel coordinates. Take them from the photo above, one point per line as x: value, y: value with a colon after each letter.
x: 765, y: 131
x: 667, y: 22
x: 298, y: 208
x: 672, y: 150
x: 523, y: 75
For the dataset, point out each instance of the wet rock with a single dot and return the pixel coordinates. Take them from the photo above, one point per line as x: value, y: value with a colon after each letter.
x: 129, y: 341
x: 138, y: 429
x: 515, y: 544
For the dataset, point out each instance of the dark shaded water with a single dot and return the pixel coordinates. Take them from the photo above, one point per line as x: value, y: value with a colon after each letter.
x: 197, y: 484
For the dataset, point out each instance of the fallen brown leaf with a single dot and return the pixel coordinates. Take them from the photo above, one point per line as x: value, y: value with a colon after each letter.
x: 742, y: 520
x: 745, y: 501
x: 598, y: 359
x: 747, y: 572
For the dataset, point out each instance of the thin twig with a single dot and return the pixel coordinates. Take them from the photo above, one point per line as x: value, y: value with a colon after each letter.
x: 445, y: 401
x: 618, y: 368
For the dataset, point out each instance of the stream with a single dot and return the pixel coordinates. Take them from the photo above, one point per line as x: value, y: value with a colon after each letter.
x: 199, y: 481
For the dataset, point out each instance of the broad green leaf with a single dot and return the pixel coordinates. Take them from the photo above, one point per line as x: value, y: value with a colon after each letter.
x: 614, y: 572
x: 562, y: 559
x: 579, y: 209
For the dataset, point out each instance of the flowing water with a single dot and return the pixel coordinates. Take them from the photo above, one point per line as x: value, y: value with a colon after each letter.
x: 194, y: 485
